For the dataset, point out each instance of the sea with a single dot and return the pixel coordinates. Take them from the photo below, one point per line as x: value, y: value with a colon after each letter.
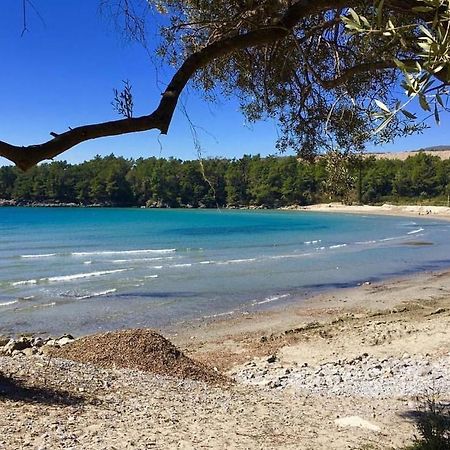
x: 85, y: 270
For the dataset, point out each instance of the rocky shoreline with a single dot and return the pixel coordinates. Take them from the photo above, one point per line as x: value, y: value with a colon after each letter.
x: 347, y: 370
x: 32, y: 345
x: 47, y: 204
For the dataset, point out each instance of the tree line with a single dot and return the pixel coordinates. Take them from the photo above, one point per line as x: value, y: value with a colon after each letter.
x: 248, y: 181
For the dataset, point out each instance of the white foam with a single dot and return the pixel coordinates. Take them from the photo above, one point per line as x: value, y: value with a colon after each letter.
x: 156, y: 267
x: 23, y: 282
x: 212, y: 316
x: 87, y: 262
x: 45, y: 305
x: 181, y: 265
x: 313, y: 242
x: 8, y: 303
x: 122, y: 261
x: 294, y: 255
x: 151, y: 276
x: 237, y: 261
x: 206, y: 262
x: 338, y: 246
x: 365, y: 242
x: 271, y: 299
x: 97, y: 294
x: 124, y: 252
x: 78, y: 276
x: 45, y: 255
x: 416, y: 231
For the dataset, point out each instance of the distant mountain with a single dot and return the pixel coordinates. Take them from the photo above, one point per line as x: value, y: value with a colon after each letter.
x: 443, y: 151
x: 437, y: 148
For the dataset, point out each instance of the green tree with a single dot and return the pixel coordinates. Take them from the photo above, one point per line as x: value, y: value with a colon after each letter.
x: 8, y: 177
x: 237, y: 181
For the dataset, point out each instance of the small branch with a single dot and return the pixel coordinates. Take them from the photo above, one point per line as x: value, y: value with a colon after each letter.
x: 359, y: 69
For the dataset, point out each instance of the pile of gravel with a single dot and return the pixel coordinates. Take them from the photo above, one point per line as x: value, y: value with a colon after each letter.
x: 139, y: 349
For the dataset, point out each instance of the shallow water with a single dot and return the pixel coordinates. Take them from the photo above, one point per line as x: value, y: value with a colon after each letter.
x: 85, y: 270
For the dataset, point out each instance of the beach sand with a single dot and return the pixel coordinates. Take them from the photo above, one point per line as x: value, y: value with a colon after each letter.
x: 441, y: 212
x: 341, y: 370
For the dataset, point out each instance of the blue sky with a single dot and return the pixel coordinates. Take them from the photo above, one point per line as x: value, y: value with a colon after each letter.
x: 62, y: 73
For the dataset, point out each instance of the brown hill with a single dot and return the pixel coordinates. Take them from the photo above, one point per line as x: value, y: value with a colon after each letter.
x: 442, y: 151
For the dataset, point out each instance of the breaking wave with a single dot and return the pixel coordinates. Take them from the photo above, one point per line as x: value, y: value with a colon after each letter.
x: 8, y: 303
x: 78, y: 276
x: 271, y: 299
x: 45, y: 255
x: 96, y: 294
x: 125, y: 252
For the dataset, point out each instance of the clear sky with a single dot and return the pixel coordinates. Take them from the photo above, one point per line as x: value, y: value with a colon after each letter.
x: 61, y: 73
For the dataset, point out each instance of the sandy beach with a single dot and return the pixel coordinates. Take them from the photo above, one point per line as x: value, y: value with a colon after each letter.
x: 346, y: 369
x: 441, y: 212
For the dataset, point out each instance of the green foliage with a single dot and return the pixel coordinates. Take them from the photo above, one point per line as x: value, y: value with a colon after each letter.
x: 423, y: 58
x: 433, y: 425
x: 340, y: 181
x: 333, y: 80
x: 250, y: 180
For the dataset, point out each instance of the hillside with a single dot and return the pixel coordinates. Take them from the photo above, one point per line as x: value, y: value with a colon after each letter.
x: 443, y: 151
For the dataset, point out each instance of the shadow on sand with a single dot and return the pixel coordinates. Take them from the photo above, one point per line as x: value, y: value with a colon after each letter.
x: 432, y: 420
x: 16, y: 390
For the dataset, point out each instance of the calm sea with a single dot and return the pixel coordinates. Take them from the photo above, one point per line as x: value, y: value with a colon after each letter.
x: 85, y: 270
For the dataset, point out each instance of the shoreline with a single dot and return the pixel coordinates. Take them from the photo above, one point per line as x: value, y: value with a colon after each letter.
x: 364, y: 298
x: 360, y: 356
x: 387, y: 209
x: 422, y: 212
x: 303, y: 369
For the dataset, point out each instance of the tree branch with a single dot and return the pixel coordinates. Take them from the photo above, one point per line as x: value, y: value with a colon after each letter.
x: 280, y: 27
x: 355, y: 70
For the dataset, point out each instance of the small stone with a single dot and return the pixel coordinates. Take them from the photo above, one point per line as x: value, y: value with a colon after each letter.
x: 438, y: 311
x: 271, y: 359
x: 425, y: 371
x: 37, y: 342
x: 64, y: 340
x: 29, y: 351
x: 18, y: 345
x: 355, y: 421
x: 4, y: 340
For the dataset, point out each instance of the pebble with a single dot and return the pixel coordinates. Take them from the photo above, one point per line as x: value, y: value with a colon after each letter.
x: 364, y: 376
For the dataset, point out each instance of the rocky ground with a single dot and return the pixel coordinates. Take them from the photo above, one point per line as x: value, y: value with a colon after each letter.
x: 57, y: 404
x: 363, y: 376
x: 347, y: 370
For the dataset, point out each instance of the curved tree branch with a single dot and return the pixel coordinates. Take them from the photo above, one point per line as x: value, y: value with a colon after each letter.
x: 280, y: 27
x: 359, y: 69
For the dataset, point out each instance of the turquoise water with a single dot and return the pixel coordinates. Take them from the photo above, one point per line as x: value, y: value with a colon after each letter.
x: 85, y: 270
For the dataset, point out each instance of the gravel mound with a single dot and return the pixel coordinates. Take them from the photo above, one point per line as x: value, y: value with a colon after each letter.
x: 139, y: 349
